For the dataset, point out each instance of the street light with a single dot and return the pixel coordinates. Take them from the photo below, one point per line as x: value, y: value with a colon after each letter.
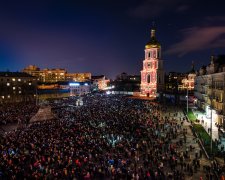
x: 187, y: 99
x: 211, y: 144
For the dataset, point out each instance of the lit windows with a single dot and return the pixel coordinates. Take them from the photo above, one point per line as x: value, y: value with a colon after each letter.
x: 19, y: 79
x: 14, y: 88
x: 29, y: 83
x: 8, y: 84
x: 13, y: 79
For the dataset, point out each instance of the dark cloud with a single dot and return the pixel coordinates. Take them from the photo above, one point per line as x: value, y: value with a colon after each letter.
x: 153, y: 8
x: 182, y: 8
x: 198, y: 38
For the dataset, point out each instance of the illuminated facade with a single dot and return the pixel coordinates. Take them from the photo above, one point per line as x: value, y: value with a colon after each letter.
x: 188, y: 82
x: 46, y: 75
x: 79, y: 88
x: 55, y: 75
x: 100, y: 82
x: 209, y: 90
x: 78, y: 77
x: 152, y: 74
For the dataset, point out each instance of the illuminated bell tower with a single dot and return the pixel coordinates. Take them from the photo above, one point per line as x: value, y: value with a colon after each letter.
x: 152, y: 75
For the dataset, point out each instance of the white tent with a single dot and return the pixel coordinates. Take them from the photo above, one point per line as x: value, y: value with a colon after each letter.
x: 43, y: 114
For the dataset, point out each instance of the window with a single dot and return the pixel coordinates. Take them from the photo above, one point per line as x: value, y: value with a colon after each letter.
x: 148, y: 78
x: 149, y: 55
x: 8, y: 84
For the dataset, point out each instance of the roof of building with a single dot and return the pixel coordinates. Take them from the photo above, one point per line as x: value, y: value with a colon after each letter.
x: 14, y: 74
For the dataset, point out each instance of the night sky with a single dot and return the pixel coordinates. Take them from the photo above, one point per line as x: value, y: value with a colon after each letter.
x: 108, y: 37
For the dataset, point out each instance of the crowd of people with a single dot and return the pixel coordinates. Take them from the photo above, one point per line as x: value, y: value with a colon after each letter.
x: 20, y: 112
x: 109, y: 137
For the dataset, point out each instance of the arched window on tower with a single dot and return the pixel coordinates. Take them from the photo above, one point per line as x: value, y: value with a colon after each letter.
x: 149, y: 55
x: 148, y: 78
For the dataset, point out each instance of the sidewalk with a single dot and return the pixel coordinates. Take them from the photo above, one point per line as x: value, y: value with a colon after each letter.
x: 207, y: 123
x: 190, y: 141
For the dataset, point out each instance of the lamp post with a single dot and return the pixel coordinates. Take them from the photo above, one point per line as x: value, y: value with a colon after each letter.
x: 187, y: 99
x: 211, y: 144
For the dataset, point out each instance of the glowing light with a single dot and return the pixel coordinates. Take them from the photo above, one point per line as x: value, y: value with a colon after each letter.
x: 74, y: 84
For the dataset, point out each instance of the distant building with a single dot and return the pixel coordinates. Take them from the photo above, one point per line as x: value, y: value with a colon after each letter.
x: 17, y: 87
x: 210, y: 91
x: 173, y: 80
x: 188, y: 81
x: 79, y: 88
x: 100, y: 82
x: 46, y: 75
x: 55, y: 75
x: 152, y: 74
x: 78, y: 77
x: 125, y: 82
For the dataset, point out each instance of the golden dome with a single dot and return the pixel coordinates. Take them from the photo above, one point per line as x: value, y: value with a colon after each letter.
x: 153, y: 43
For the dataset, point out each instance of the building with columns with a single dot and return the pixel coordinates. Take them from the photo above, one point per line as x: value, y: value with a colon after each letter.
x: 210, y: 90
x: 152, y: 74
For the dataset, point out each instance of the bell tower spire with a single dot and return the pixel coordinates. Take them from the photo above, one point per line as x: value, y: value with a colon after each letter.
x: 153, y: 30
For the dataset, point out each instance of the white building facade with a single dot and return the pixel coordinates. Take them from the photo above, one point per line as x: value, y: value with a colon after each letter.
x: 210, y: 91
